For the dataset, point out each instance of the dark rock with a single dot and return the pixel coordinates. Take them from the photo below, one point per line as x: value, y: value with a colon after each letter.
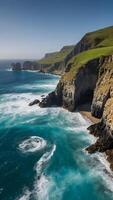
x: 48, y: 101
x: 31, y: 65
x: 36, y: 101
x: 16, y: 66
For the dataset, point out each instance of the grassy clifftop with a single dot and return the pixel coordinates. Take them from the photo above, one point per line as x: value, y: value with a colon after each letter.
x: 56, y: 56
x: 91, y: 46
x: 100, y: 44
x: 100, y: 38
x: 84, y: 57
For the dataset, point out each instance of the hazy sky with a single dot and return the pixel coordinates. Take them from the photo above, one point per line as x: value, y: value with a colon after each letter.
x: 30, y: 28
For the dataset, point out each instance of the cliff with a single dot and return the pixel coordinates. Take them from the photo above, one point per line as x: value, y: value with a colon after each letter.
x: 91, y: 83
x: 57, y: 62
x: 88, y: 78
x: 102, y: 107
x: 51, y: 63
x: 79, y: 81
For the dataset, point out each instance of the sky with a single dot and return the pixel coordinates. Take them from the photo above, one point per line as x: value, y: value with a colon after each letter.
x: 31, y: 28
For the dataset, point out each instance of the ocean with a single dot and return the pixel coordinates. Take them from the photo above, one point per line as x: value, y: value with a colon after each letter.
x: 42, y: 150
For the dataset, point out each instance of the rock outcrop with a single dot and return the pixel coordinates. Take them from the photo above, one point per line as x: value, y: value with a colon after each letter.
x: 73, y: 92
x: 16, y: 66
x: 36, y: 101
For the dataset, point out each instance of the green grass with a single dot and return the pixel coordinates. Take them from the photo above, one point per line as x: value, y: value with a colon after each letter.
x: 100, y: 38
x: 57, y: 56
x: 82, y: 58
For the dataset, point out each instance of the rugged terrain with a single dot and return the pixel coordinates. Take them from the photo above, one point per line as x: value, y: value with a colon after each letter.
x: 51, y: 63
x: 88, y: 79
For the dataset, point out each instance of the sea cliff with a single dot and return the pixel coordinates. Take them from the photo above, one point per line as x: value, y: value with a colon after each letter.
x: 86, y: 71
x: 88, y: 79
x: 93, y: 84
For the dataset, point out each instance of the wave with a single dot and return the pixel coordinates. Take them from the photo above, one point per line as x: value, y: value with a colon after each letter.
x: 34, y: 143
x: 37, y: 86
x: 18, y: 104
x: 106, y: 173
x: 44, y: 160
x: 42, y: 183
x: 101, y: 169
x: 41, y: 188
x: 9, y: 70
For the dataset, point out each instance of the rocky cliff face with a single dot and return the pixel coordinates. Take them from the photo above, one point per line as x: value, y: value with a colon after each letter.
x: 102, y: 107
x: 30, y: 65
x: 104, y: 86
x: 78, y: 90
x: 92, y: 83
x: 16, y: 66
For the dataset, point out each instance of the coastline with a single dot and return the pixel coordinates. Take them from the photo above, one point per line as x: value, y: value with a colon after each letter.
x: 85, y: 111
x: 104, y: 157
x: 87, y: 115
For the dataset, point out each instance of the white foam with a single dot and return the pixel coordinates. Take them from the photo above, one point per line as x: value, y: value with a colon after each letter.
x: 42, y: 184
x: 9, y: 70
x: 38, y: 86
x: 44, y: 159
x: 34, y: 71
x: 16, y: 105
x: 34, y: 143
x: 41, y: 188
x: 102, y: 169
x: 26, y: 195
x: 102, y: 158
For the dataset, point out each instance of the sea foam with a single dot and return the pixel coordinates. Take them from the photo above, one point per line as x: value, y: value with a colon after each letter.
x: 32, y: 144
x: 42, y: 183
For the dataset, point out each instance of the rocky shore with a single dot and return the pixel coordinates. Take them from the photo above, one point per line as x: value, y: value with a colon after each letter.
x: 93, y: 84
x: 86, y: 85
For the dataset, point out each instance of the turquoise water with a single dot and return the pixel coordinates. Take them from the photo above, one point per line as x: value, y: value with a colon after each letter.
x: 42, y: 154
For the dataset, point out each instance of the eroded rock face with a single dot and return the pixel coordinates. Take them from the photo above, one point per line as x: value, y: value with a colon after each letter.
x: 102, y: 106
x: 94, y: 77
x: 78, y: 90
x: 93, y: 82
x: 49, y: 100
x: 103, y: 89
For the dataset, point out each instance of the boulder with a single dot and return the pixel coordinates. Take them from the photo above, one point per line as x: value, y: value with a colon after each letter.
x: 36, y: 101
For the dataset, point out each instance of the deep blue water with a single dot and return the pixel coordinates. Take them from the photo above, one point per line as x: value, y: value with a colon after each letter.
x: 54, y: 166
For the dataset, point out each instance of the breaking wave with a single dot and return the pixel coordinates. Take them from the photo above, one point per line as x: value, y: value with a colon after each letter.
x: 42, y: 183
